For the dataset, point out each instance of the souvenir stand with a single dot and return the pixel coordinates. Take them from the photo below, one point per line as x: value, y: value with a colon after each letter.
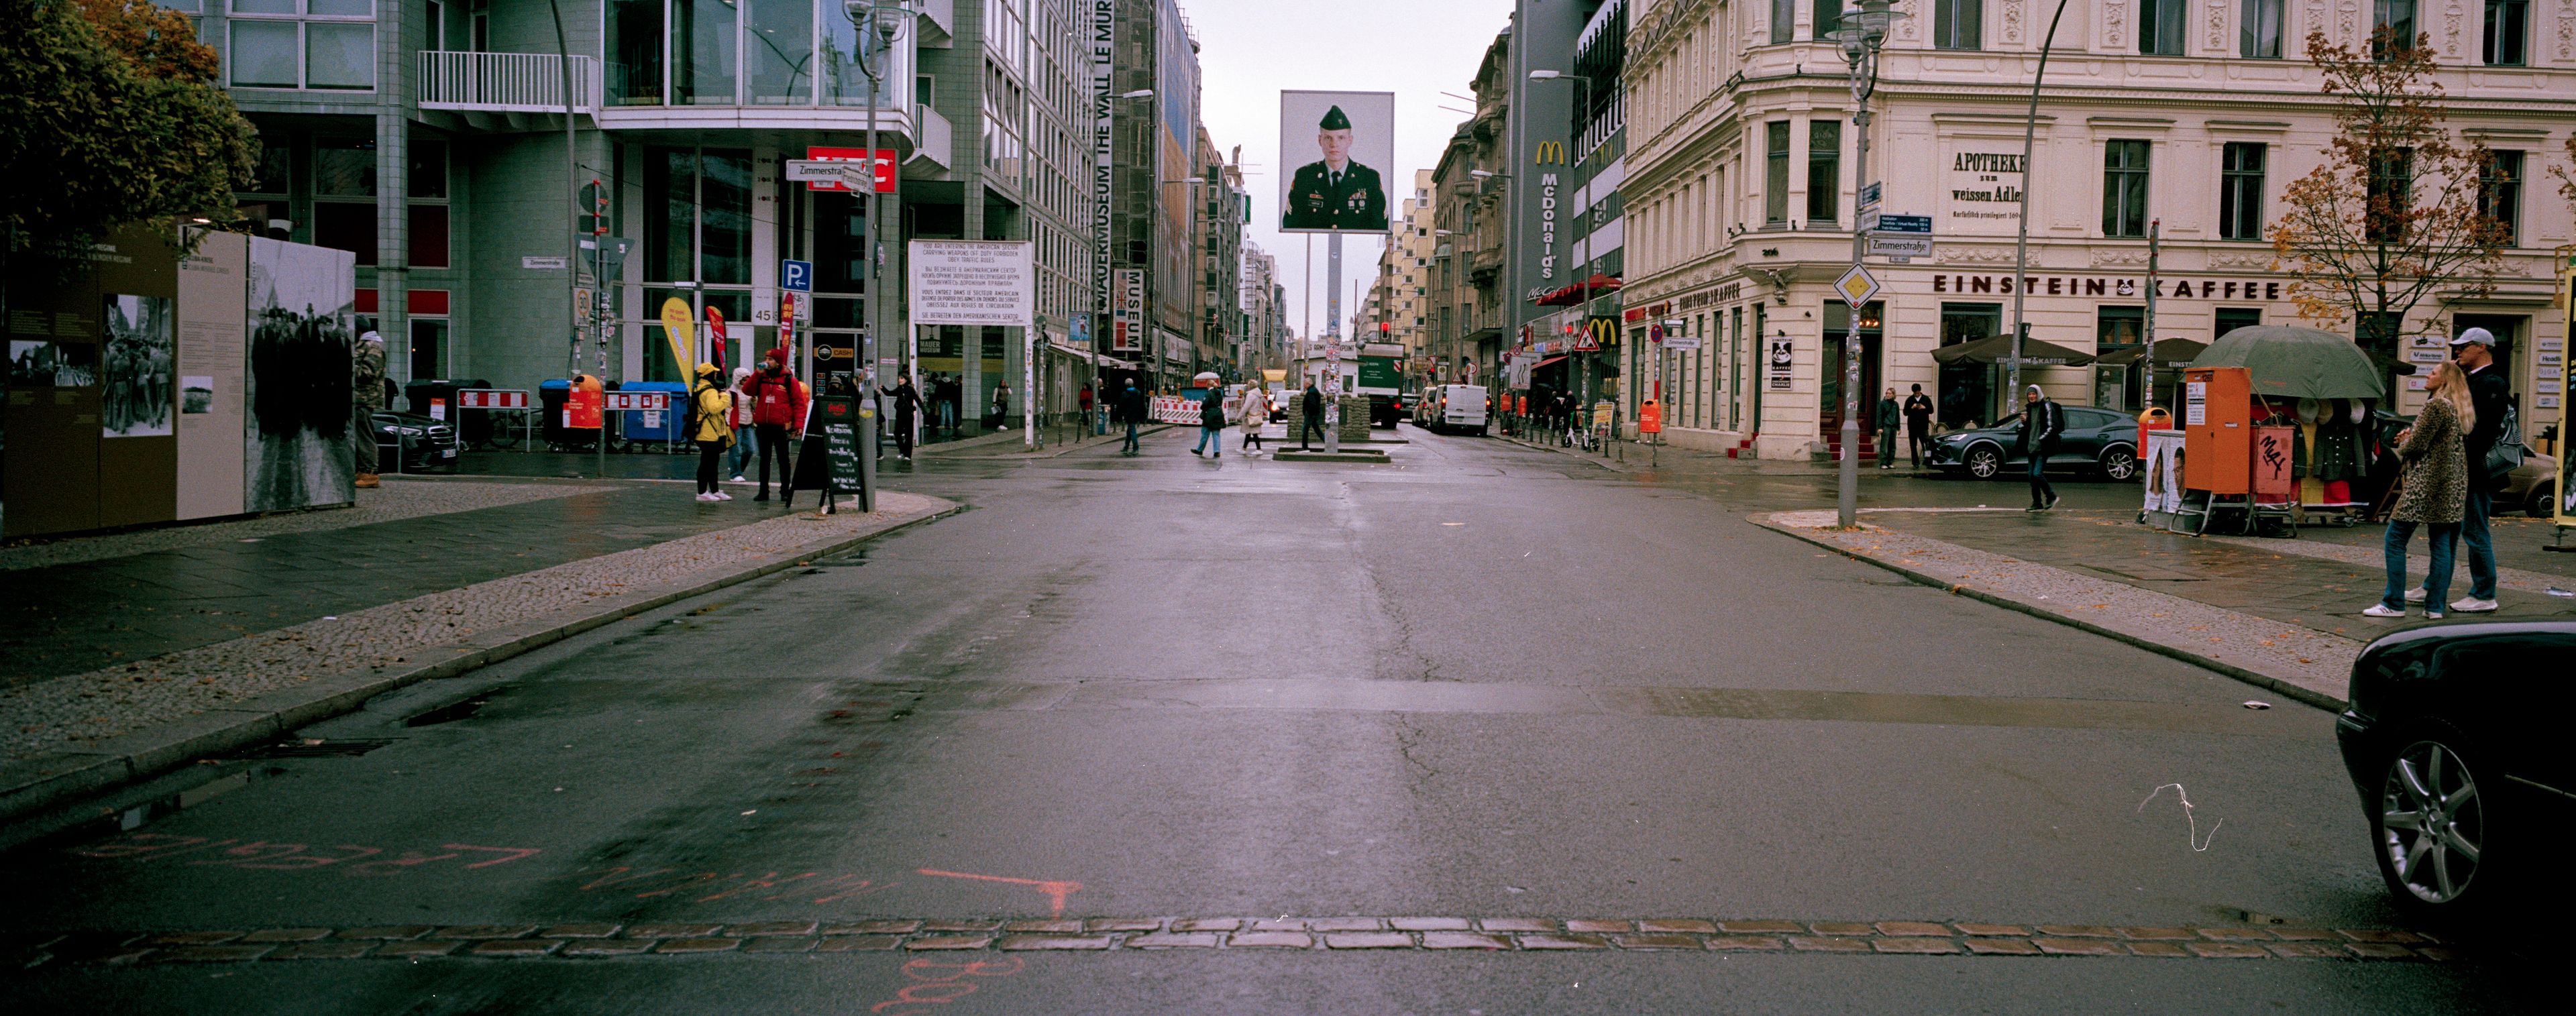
x: 2277, y: 428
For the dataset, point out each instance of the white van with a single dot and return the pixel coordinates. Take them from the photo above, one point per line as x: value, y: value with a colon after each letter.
x: 1450, y: 409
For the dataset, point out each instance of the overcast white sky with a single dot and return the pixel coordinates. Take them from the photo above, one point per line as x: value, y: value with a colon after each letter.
x: 1251, y: 50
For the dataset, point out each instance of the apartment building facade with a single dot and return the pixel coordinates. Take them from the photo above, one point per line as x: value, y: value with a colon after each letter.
x: 1741, y: 195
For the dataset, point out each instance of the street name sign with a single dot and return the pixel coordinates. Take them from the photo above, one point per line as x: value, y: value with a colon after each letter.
x: 1681, y: 343
x: 542, y: 263
x: 1900, y: 245
x: 1904, y: 224
x: 1869, y: 197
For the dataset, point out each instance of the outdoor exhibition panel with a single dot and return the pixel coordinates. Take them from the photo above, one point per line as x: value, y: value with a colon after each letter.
x: 150, y: 383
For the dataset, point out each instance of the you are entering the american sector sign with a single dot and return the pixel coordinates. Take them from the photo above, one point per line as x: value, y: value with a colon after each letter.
x: 973, y: 282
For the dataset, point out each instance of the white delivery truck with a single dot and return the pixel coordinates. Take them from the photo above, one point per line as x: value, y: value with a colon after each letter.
x: 1451, y: 409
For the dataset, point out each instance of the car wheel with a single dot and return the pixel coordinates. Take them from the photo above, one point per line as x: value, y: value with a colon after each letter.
x: 2120, y: 462
x: 2542, y: 497
x: 1984, y: 461
x: 2430, y: 829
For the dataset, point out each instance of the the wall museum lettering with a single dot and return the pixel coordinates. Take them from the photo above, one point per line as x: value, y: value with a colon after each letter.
x: 2059, y: 285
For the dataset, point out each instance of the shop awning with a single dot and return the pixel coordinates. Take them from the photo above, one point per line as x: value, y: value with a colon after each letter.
x: 1998, y: 349
x: 1549, y: 360
x: 2169, y: 353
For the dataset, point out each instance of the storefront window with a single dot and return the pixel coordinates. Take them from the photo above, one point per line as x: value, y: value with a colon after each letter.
x: 1966, y: 388
x: 2114, y: 329
x: 724, y: 231
x: 344, y: 168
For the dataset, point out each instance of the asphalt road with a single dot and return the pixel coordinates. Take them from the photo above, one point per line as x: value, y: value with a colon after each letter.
x: 1485, y: 682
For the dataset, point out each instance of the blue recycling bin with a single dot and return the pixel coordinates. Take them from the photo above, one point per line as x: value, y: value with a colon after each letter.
x: 638, y: 427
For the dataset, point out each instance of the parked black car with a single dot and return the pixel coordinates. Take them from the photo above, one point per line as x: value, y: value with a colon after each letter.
x: 2095, y: 439
x: 412, y: 443
x: 2451, y: 737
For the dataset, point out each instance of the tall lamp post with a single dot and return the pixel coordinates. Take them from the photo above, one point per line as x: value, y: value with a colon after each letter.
x: 1864, y: 31
x: 2021, y: 245
x: 885, y: 22
x: 1583, y: 118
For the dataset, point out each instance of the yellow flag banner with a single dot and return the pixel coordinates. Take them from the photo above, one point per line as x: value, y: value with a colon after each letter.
x: 676, y: 318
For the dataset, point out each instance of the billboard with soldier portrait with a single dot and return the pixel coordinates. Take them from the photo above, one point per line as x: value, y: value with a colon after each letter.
x: 1336, y: 150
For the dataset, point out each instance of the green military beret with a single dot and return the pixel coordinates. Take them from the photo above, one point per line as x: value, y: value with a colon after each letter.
x: 1335, y: 121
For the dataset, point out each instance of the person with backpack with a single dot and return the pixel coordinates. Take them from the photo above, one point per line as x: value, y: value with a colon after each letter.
x: 1212, y: 423
x: 2042, y: 421
x: 710, y: 415
x: 778, y: 417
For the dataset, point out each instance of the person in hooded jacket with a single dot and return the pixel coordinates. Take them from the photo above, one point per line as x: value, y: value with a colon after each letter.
x: 778, y: 417
x: 1212, y: 423
x: 1131, y: 408
x: 713, y: 408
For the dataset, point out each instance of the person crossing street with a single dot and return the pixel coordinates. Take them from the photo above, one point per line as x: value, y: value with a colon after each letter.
x: 1311, y: 407
x: 2042, y: 421
x: 1131, y: 410
x: 1212, y: 423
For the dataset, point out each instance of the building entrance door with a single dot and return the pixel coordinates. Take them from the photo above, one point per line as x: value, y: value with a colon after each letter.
x: 1829, y: 414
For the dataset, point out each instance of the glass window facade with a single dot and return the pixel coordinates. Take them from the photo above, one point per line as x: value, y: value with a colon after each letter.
x: 1959, y: 24
x: 2500, y: 193
x: 2161, y: 24
x: 1824, y: 172
x: 1775, y: 191
x: 2507, y: 40
x: 2124, y: 189
x: 2258, y: 30
x: 313, y: 44
x: 2240, y: 191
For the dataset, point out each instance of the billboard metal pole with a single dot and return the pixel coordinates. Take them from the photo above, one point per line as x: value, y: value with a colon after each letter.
x: 1332, y: 341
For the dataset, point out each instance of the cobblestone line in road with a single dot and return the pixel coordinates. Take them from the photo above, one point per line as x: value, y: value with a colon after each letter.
x: 1331, y: 934
x: 2305, y: 664
x: 397, y: 499
x: 73, y: 712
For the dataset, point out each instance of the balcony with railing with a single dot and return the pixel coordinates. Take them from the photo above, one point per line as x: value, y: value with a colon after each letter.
x: 505, y: 82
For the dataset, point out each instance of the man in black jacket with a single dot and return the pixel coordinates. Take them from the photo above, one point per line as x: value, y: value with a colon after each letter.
x: 1312, y: 403
x: 1918, y: 424
x: 1131, y: 408
x: 2042, y: 421
x: 2490, y: 396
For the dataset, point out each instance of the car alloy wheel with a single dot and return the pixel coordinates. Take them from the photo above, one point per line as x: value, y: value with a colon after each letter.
x: 2120, y: 463
x: 2432, y: 824
x: 1984, y: 461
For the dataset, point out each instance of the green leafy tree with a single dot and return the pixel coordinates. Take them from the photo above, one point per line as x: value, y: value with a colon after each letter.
x: 109, y: 113
x: 2399, y: 210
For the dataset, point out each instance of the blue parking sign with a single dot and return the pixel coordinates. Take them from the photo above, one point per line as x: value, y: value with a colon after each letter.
x: 796, y: 275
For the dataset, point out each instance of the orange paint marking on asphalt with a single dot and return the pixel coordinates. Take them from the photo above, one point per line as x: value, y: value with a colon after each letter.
x: 1056, y: 891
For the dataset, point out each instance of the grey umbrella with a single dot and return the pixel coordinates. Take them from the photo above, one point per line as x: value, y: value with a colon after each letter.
x: 2286, y: 361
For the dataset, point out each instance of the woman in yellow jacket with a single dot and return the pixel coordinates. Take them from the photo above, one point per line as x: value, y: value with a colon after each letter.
x: 713, y: 407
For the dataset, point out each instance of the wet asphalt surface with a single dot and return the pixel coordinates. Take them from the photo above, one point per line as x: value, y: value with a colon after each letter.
x: 1484, y: 681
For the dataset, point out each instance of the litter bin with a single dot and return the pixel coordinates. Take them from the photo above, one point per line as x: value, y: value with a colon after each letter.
x: 474, y: 428
x: 571, y: 413
x: 642, y: 427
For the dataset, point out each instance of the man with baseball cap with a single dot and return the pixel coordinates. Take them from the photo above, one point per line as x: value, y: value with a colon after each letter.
x: 2489, y: 396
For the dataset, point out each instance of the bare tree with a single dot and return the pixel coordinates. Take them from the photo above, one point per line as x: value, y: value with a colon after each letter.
x: 2400, y: 210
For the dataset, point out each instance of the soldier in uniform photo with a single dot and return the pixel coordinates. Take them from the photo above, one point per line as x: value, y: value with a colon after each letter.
x: 1335, y: 193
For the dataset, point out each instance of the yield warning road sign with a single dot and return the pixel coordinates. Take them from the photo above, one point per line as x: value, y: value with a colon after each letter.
x: 1856, y: 286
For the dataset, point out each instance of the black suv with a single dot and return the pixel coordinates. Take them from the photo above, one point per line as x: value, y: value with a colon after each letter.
x: 2095, y: 439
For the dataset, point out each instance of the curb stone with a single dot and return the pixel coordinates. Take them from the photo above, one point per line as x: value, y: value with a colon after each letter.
x: 2286, y: 689
x: 31, y: 786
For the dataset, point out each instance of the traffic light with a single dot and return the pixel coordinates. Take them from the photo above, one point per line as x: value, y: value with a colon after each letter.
x: 593, y: 206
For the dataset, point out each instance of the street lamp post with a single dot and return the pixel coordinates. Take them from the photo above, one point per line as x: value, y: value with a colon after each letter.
x: 1865, y: 30
x: 2021, y: 245
x: 886, y: 22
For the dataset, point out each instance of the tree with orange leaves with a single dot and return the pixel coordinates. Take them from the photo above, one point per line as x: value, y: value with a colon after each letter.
x: 110, y: 112
x: 2398, y: 212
